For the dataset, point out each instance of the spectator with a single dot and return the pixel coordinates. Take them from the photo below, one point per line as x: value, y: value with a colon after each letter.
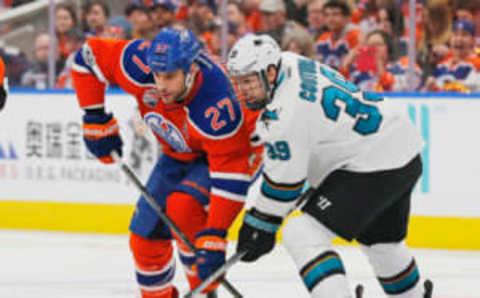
x: 461, y: 72
x: 97, y: 16
x: 232, y: 36
x: 142, y: 23
x: 252, y: 13
x: 118, y: 27
x: 274, y: 19
x: 16, y: 63
x: 298, y: 41
x: 297, y: 11
x: 342, y: 36
x: 470, y: 10
x: 162, y: 12
x: 37, y: 76
x: 74, y: 40
x: 65, y: 20
x: 202, y: 22
x: 391, y: 22
x: 437, y: 22
x: 316, y: 18
x: 371, y: 67
x: 237, y: 16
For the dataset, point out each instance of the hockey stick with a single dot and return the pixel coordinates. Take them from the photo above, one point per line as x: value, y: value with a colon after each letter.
x: 216, y: 274
x: 151, y: 201
x: 237, y: 256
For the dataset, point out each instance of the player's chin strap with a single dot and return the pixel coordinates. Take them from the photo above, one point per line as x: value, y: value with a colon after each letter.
x: 151, y: 201
x: 270, y: 88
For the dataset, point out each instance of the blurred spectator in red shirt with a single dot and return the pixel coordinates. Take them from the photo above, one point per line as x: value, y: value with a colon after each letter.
x: 251, y: 8
x: 316, y: 18
x: 97, y: 16
x: 461, y: 71
x: 342, y: 36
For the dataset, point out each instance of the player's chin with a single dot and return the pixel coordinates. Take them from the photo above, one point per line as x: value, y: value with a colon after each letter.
x: 168, y: 99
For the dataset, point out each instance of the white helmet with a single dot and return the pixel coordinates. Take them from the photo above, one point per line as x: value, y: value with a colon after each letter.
x: 254, y: 54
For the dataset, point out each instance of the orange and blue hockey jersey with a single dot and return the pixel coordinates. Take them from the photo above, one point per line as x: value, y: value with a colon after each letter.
x: 332, y: 52
x: 462, y: 75
x: 210, y: 121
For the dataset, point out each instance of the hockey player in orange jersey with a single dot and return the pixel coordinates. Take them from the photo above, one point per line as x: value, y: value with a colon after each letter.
x: 3, y: 85
x: 202, y: 178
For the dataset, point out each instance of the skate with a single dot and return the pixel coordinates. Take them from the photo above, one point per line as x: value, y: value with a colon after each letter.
x: 428, y: 285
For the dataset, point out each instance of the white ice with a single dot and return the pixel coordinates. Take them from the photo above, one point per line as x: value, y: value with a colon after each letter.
x: 60, y: 265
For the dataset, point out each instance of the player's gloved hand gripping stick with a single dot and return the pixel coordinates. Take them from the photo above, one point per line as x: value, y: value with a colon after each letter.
x: 131, y: 175
x: 248, y: 254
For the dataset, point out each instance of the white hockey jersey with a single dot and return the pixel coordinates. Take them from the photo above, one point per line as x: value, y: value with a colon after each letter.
x: 319, y: 122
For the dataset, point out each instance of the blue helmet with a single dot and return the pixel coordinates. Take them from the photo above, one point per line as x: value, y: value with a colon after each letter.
x: 173, y: 49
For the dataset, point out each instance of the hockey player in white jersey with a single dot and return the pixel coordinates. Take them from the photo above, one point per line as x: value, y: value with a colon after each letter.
x: 362, y: 155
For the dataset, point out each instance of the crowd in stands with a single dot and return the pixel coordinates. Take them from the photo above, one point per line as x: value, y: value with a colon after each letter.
x: 366, y: 40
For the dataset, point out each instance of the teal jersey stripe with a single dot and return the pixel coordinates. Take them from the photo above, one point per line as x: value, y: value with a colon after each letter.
x: 280, y: 194
x: 322, y: 270
x: 405, y: 283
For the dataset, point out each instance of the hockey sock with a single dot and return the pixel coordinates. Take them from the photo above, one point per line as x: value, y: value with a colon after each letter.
x: 396, y: 269
x: 155, y: 266
x: 321, y: 268
x: 190, y: 217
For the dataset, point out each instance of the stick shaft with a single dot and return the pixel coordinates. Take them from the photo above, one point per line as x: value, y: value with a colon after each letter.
x: 216, y: 274
x: 151, y: 201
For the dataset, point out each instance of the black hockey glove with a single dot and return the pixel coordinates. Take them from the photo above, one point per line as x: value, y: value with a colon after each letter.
x: 257, y: 234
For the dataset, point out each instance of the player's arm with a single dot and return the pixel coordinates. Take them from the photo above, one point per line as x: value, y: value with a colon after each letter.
x: 93, y: 65
x: 226, y: 141
x: 284, y: 176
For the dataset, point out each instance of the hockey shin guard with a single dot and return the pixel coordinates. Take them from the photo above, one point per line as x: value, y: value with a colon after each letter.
x: 189, y: 215
x: 321, y: 268
x: 155, y: 266
x: 395, y: 268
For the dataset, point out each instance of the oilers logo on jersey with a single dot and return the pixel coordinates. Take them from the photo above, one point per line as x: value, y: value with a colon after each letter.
x: 151, y: 98
x: 167, y: 131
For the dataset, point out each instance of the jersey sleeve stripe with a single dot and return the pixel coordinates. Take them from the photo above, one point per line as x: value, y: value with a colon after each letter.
x: 281, y: 192
x: 278, y: 194
x: 228, y: 195
x: 232, y: 186
x: 230, y: 176
x: 79, y: 68
x: 79, y: 63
